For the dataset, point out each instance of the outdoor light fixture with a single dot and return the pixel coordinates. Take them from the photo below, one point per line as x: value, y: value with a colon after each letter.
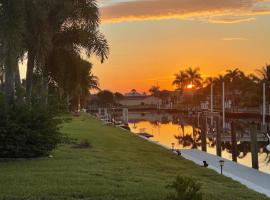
x: 173, y: 146
x: 268, y: 147
x: 221, y: 162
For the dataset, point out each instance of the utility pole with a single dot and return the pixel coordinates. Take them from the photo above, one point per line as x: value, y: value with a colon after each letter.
x: 264, y: 105
x: 218, y: 137
x: 254, y: 146
x: 212, y: 104
x: 223, y: 105
x: 234, y: 142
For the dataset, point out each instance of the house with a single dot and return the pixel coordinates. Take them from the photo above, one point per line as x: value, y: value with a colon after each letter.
x: 134, y: 98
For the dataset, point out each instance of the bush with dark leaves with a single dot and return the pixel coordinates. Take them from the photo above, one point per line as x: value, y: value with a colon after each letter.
x: 27, y: 131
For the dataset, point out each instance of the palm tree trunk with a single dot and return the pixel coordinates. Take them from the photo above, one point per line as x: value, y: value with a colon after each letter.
x: 18, y: 84
x: 2, y: 81
x: 30, y: 73
x: 9, y: 83
x: 79, y: 103
x: 45, y: 89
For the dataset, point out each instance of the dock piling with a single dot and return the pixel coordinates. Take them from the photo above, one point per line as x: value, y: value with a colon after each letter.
x: 254, y: 146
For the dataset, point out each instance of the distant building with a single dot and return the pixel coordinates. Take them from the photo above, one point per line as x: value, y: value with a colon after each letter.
x: 140, y: 101
x: 134, y: 93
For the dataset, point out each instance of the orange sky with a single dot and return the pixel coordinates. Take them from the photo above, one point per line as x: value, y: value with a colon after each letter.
x: 150, y: 41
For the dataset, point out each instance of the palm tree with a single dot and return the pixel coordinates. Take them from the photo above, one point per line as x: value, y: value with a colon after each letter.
x: 75, y: 28
x: 11, y: 41
x: 234, y: 75
x: 154, y: 90
x: 180, y: 80
x: 264, y: 73
x: 194, y: 77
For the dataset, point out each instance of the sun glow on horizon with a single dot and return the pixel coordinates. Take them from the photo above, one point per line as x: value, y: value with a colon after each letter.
x: 190, y: 86
x: 144, y: 52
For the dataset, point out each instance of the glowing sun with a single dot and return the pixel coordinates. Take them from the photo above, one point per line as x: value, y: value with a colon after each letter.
x: 190, y: 86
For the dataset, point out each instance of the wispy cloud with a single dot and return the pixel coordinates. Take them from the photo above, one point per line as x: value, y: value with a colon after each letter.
x: 213, y: 11
x: 234, y: 39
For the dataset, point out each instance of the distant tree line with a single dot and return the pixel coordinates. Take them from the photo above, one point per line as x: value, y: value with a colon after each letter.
x: 243, y: 90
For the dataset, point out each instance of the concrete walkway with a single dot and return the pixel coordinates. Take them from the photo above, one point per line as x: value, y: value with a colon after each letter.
x: 253, y: 179
x: 249, y: 177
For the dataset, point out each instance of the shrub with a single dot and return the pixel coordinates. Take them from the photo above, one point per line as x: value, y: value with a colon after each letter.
x: 185, y: 189
x: 27, y: 132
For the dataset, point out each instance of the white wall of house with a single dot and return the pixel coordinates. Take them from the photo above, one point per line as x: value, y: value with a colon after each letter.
x: 140, y: 101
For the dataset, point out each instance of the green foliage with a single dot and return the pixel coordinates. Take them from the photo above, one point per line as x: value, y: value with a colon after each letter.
x: 27, y: 132
x: 185, y: 189
x: 105, y: 98
x: 118, y: 166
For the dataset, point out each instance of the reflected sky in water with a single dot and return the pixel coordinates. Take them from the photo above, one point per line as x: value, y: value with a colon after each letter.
x: 167, y: 133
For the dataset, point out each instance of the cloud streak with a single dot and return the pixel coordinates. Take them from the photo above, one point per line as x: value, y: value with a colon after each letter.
x: 213, y: 11
x: 234, y: 39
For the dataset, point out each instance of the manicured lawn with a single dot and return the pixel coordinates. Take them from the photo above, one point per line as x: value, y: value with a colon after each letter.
x: 118, y: 166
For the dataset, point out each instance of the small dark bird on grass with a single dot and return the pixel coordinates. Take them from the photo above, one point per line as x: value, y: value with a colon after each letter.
x: 205, y: 164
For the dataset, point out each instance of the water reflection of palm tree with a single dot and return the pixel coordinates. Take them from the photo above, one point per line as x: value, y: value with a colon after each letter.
x: 183, y: 128
x: 190, y: 140
x: 155, y: 124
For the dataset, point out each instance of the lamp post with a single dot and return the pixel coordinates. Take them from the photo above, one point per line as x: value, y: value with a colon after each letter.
x: 221, y: 163
x: 173, y: 146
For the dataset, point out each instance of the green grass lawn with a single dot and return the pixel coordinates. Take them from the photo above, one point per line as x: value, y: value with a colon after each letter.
x: 118, y: 166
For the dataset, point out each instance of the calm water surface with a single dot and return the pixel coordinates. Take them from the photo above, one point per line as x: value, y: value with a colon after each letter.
x: 166, y: 132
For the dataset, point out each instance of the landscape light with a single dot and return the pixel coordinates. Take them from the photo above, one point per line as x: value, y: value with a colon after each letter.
x: 221, y: 162
x: 268, y: 147
x: 173, y: 146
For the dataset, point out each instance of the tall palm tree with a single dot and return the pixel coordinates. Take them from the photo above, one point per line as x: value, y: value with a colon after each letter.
x: 180, y: 80
x: 234, y: 74
x: 194, y: 77
x: 154, y: 90
x: 11, y: 41
x: 68, y: 24
x: 264, y: 73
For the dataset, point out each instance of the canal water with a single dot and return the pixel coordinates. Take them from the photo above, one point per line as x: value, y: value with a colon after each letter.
x: 170, y: 129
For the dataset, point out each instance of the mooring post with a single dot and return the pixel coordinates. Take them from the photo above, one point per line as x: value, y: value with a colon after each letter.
x: 125, y: 115
x: 203, y: 135
x: 254, y: 146
x: 218, y: 138
x: 234, y: 142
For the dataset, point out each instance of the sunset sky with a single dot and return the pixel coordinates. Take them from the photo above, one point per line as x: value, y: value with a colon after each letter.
x: 151, y: 40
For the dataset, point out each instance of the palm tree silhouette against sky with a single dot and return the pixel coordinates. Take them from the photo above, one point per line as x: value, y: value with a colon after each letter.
x: 194, y: 77
x: 190, y: 78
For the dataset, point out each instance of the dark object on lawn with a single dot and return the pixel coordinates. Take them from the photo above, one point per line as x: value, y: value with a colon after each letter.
x: 205, y: 164
x: 178, y: 152
x: 84, y: 144
x: 185, y: 189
